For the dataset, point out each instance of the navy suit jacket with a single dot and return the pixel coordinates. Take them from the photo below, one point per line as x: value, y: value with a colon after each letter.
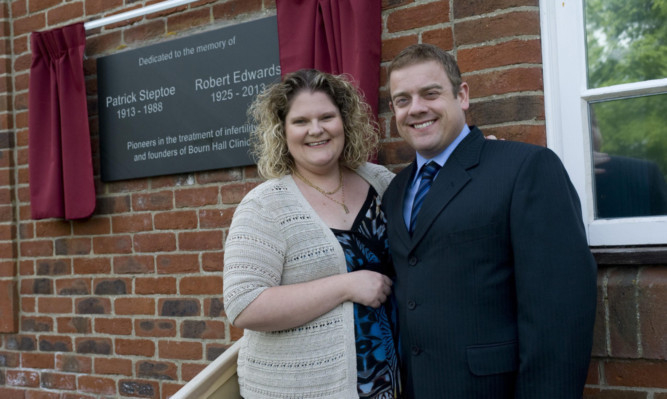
x: 496, y: 288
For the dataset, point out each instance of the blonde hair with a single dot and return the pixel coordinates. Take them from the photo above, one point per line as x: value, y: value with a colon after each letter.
x: 270, y: 108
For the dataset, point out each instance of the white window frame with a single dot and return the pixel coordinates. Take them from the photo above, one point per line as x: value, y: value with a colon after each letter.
x: 566, y: 99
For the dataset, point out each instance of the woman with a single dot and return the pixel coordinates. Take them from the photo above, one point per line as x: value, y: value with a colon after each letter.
x: 306, y: 259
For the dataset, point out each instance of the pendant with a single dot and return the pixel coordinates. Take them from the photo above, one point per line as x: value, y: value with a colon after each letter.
x: 345, y: 208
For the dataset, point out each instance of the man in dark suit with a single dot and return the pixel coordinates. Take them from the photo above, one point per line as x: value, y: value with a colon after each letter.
x: 496, y: 285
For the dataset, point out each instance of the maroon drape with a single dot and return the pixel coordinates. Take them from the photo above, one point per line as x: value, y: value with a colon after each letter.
x: 60, y: 159
x: 335, y: 36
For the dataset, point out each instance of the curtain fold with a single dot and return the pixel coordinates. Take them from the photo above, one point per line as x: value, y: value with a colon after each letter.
x: 334, y: 36
x: 59, y: 150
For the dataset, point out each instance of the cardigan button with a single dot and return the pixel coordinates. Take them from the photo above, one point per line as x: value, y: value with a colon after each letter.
x: 415, y: 350
x: 412, y: 305
x: 412, y: 261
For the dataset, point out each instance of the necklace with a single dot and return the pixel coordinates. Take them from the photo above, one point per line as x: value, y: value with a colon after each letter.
x: 328, y: 193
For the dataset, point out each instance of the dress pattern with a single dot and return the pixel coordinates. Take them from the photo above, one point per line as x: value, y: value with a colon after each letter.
x: 366, y: 248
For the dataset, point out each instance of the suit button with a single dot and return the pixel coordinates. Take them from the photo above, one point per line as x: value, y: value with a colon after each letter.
x: 415, y: 350
x: 412, y: 261
x: 412, y: 305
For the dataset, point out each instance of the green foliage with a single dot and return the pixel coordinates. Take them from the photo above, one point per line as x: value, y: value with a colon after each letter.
x: 627, y: 42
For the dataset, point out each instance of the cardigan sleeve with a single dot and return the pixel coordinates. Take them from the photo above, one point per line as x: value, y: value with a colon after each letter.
x: 254, y: 256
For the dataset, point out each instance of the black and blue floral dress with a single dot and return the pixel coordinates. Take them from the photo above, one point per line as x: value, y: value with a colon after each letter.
x: 366, y: 248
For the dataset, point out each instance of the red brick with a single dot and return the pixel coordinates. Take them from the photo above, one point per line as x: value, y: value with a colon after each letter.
x: 93, y: 305
x: 215, y: 218
x: 113, y: 326
x: 162, y: 200
x: 54, y: 305
x: 170, y: 389
x: 395, y: 152
x: 74, y: 325
x: 501, y: 54
x: 99, y: 6
x: 22, y: 378
x: 176, y: 220
x: 188, y: 20
x: 145, y: 31
x: 37, y: 360
x: 418, y: 16
x: 134, y: 264
x: 64, y: 13
x: 115, y: 366
x: 74, y: 363
x: 645, y: 374
x: 112, y: 205
x: 212, y: 262
x: 155, y: 328
x: 112, y: 245
x: 623, y: 327
x: 196, y: 197
x: 220, y: 176
x: 92, y: 226
x: 96, y: 265
x: 142, y: 388
x: 73, y: 246
x: 467, y: 8
x: 203, y: 329
x: 8, y: 307
x: 180, y: 350
x: 595, y: 393
x: 134, y: 306
x: 135, y: 347
x: 55, y: 343
x: 36, y: 248
x: 36, y: 324
x: 132, y: 223
x: 190, y: 370
x: 58, y: 381
x: 103, y: 43
x: 503, y: 110
x: 96, y: 384
x: 154, y: 242
x: 391, y: 47
x: 34, y: 22
x: 201, y: 285
x: 442, y: 38
x: 39, y: 5
x: 230, y: 9
x: 152, y: 286
x: 235, y: 333
x: 200, y: 240
x: 176, y: 264
x: 73, y: 286
x: 533, y: 134
x: 127, y: 185
x: 652, y: 311
x: 28, y: 305
x: 520, y: 23
x: 234, y: 193
x: 504, y: 81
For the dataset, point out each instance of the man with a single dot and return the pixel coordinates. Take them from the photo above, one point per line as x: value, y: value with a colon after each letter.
x: 496, y: 285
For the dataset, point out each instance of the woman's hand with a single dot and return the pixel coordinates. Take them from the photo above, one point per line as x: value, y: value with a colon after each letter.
x: 369, y: 288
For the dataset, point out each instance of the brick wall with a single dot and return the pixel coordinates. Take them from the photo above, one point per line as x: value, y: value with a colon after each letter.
x: 128, y: 302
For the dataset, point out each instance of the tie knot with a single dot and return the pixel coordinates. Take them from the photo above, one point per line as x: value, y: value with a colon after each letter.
x: 429, y: 170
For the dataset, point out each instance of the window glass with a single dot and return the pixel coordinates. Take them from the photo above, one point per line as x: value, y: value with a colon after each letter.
x: 629, y: 144
x: 626, y: 41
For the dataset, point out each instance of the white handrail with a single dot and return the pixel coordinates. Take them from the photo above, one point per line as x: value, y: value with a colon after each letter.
x: 135, y: 13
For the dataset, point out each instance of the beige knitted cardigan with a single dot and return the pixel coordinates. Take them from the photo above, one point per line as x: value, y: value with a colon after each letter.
x: 277, y: 238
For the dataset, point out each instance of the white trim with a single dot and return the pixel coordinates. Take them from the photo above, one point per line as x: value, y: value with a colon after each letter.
x: 139, y: 12
x: 566, y: 99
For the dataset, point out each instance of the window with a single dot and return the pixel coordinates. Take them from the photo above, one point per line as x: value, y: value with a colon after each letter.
x: 605, y: 83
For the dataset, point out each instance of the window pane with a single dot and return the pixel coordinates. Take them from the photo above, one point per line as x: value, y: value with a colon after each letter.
x: 629, y: 139
x: 626, y: 41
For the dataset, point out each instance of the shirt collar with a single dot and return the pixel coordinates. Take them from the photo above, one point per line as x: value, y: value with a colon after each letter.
x: 441, y: 158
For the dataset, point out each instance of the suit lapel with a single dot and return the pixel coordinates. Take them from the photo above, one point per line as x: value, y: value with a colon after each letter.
x: 403, y: 179
x: 450, y: 181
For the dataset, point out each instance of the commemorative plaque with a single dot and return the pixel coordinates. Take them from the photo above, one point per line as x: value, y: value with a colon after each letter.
x: 180, y: 106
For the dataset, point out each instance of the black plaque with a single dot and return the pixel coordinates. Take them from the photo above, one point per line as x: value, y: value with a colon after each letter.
x: 180, y: 106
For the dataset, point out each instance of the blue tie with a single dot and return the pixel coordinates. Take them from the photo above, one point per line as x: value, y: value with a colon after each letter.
x: 428, y: 172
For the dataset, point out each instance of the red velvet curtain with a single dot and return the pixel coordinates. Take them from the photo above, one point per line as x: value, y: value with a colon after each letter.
x: 60, y: 158
x: 335, y: 36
